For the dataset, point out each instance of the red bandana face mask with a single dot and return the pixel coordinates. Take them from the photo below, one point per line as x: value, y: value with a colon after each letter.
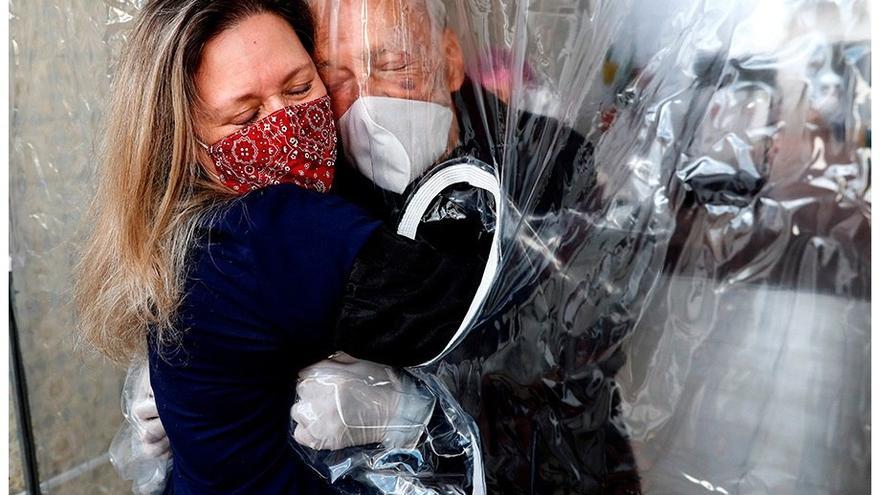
x: 295, y: 145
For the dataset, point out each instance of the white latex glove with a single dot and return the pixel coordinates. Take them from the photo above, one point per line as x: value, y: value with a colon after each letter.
x: 144, y: 416
x: 140, y: 451
x: 149, y: 428
x: 343, y: 402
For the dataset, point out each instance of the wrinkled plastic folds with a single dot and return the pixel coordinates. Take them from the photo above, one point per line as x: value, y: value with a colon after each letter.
x: 681, y: 303
x: 682, y: 298
x: 399, y: 409
x: 423, y: 444
x: 133, y: 454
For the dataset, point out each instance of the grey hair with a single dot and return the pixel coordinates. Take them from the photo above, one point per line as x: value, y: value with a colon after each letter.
x: 437, y: 12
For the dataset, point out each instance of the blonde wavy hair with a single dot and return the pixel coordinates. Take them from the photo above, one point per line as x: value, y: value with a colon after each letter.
x: 152, y: 193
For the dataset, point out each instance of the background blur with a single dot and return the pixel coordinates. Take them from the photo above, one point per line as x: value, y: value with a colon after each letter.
x: 737, y: 340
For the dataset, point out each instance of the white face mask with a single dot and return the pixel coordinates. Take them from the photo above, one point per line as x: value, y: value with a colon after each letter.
x: 393, y: 141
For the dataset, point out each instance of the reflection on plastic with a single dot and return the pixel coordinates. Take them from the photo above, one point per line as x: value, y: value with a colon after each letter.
x: 364, y: 402
x: 367, y: 425
x: 682, y: 303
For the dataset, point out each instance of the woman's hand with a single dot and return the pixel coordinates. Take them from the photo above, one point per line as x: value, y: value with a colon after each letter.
x: 343, y: 402
x: 151, y: 441
x: 140, y: 451
x: 149, y: 427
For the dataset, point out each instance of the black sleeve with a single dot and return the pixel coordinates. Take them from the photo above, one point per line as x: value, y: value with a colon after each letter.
x: 404, y: 300
x: 553, y: 159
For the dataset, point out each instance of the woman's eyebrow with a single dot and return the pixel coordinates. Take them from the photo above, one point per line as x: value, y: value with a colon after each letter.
x: 298, y: 70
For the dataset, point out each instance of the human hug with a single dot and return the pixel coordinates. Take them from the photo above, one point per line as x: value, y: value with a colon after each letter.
x: 343, y: 246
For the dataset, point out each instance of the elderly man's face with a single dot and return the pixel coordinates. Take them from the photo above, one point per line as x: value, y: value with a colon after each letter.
x: 384, y: 48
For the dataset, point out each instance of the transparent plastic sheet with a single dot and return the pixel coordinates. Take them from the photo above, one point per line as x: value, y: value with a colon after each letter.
x: 680, y: 309
x: 395, y: 412
x: 768, y: 392
x: 59, y: 52
x: 135, y: 458
x: 682, y: 298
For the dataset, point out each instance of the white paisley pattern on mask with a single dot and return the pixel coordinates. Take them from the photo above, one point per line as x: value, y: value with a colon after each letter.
x: 295, y: 145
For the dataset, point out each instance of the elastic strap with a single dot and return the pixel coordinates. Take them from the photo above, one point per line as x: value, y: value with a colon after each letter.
x: 419, y: 203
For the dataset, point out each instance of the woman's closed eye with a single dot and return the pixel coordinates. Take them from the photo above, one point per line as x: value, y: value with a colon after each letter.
x: 246, y: 118
x: 252, y: 115
x: 301, y: 90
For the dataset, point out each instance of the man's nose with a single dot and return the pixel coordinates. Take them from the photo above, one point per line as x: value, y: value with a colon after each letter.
x: 344, y: 95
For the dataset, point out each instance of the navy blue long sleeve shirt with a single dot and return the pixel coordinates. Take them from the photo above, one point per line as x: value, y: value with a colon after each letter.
x: 280, y: 279
x: 261, y: 295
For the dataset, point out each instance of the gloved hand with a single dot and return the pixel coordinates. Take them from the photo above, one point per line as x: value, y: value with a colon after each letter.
x: 140, y: 451
x: 343, y: 402
x: 149, y: 427
x: 139, y: 408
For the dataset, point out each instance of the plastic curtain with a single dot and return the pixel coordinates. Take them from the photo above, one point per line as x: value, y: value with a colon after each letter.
x: 682, y: 297
x: 60, y: 61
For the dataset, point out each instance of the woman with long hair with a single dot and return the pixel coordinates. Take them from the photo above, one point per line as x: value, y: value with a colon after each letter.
x: 217, y: 251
